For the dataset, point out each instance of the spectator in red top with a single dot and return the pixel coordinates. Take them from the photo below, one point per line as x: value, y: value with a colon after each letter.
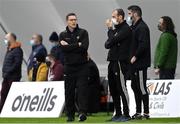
x: 55, y: 72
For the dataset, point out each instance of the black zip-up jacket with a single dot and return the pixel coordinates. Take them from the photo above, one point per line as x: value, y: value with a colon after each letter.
x: 12, y: 64
x: 73, y: 53
x: 118, y: 42
x: 141, y: 45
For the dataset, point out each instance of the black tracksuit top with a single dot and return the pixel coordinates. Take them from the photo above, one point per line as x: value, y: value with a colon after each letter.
x: 73, y: 53
x: 140, y: 46
x: 118, y: 42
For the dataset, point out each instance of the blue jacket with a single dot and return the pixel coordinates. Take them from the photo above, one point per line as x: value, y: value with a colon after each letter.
x: 38, y: 51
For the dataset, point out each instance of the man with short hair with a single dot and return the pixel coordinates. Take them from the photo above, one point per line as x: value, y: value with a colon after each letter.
x: 11, y: 70
x: 140, y: 60
x: 74, y: 42
x: 38, y: 51
x: 118, y: 43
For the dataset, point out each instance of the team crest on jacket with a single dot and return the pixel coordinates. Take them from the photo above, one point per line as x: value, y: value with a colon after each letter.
x: 77, y: 37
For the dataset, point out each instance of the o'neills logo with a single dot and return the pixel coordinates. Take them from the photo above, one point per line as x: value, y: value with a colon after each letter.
x: 159, y: 88
x: 40, y: 102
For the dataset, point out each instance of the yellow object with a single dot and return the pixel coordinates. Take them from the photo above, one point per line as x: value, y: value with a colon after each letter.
x: 41, y: 73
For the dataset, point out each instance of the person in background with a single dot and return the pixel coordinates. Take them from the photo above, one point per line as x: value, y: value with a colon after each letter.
x: 38, y: 51
x: 94, y: 87
x: 167, y: 49
x: 56, y: 50
x: 55, y: 72
x: 118, y: 42
x: 140, y: 59
x: 74, y: 42
x: 11, y: 71
x: 39, y: 70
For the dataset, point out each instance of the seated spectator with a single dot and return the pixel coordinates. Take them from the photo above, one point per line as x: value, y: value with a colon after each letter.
x: 55, y: 72
x: 39, y: 70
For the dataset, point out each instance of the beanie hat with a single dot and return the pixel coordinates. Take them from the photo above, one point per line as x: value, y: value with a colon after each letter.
x: 54, y: 37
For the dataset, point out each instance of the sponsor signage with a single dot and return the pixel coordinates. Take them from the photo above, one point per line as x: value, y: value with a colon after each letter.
x: 34, y: 99
x: 164, y: 98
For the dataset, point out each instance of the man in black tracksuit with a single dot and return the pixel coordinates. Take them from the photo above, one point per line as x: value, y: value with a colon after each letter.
x: 140, y: 60
x: 74, y: 42
x: 118, y: 43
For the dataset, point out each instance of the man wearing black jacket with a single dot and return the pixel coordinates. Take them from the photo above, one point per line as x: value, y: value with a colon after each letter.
x: 118, y: 43
x: 74, y: 42
x: 140, y: 60
x: 11, y: 70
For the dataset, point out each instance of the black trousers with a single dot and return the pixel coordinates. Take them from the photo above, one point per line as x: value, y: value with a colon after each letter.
x: 117, y: 86
x: 76, y: 85
x: 167, y: 73
x: 6, y: 85
x: 138, y: 84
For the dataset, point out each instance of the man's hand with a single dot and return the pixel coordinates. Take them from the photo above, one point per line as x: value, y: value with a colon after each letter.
x: 63, y: 43
x: 109, y: 23
x: 157, y: 70
x: 133, y: 59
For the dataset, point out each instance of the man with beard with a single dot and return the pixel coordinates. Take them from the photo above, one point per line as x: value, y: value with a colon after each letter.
x: 140, y: 59
x: 166, y: 51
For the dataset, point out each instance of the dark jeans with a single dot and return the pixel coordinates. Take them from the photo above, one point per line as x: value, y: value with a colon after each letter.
x: 167, y: 73
x: 6, y: 85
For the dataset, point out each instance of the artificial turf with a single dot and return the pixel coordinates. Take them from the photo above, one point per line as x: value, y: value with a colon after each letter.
x: 95, y: 118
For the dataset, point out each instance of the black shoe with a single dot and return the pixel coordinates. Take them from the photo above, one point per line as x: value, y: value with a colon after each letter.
x: 123, y: 119
x: 70, y: 119
x: 82, y: 117
x: 146, y: 116
x: 114, y: 118
x: 137, y: 116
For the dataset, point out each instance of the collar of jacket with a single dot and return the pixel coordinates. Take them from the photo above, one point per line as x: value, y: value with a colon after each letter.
x: 56, y: 63
x: 67, y: 29
x: 35, y: 46
x: 14, y: 45
x: 171, y: 32
x: 137, y: 23
x: 121, y: 24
